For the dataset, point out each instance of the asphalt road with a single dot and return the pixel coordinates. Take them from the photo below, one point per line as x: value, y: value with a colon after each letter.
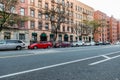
x: 76, y: 63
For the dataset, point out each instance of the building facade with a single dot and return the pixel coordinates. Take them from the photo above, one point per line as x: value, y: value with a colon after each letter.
x: 38, y: 26
x: 118, y: 30
x: 113, y: 29
x: 109, y: 29
x: 83, y: 12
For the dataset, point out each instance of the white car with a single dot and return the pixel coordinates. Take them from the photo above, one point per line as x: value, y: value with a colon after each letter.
x: 89, y: 43
x: 117, y: 43
x: 77, y: 44
x: 92, y: 43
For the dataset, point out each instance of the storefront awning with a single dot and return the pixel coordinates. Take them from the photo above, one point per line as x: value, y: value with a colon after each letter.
x: 34, y: 34
x: 43, y: 35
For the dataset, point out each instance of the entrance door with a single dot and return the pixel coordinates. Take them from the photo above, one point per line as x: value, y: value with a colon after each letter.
x: 43, y: 37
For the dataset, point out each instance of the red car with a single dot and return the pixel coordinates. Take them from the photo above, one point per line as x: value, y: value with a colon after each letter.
x: 62, y: 44
x: 44, y: 44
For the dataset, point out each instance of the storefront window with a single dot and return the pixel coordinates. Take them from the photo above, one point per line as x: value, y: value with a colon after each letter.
x: 7, y: 35
x: 22, y: 36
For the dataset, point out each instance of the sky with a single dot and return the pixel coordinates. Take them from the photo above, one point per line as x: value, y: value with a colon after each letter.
x: 110, y: 7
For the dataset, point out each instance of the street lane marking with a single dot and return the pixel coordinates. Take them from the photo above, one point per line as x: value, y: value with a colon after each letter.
x: 60, y: 64
x: 105, y: 56
x: 94, y: 63
x: 46, y: 67
x: 104, y: 60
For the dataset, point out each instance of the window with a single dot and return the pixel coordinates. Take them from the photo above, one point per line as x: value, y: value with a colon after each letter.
x: 58, y: 27
x: 32, y: 13
x: 32, y: 24
x: 39, y: 25
x: 67, y: 4
x: 46, y: 26
x: 71, y: 30
x: 22, y: 24
x: 46, y: 5
x: 46, y: 17
x: 21, y: 36
x: 7, y: 35
x: 39, y: 15
x: 22, y: 11
x: 76, y: 7
x: 63, y: 28
x: 2, y: 42
x: 63, y: 2
x: 12, y: 9
x: 67, y: 28
x: 39, y: 4
x: 71, y: 5
x: 58, y: 1
x: 22, y: 1
x: 1, y: 7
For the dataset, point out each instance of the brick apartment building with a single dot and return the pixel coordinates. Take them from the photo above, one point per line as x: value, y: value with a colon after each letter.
x: 118, y: 31
x: 38, y: 27
x: 113, y: 29
x: 109, y: 30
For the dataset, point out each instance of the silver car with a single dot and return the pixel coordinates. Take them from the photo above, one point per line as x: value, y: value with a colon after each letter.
x: 77, y: 44
x: 11, y: 44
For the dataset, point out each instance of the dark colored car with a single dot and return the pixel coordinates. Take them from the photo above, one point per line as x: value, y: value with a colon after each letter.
x: 43, y: 44
x: 62, y: 44
x: 102, y: 43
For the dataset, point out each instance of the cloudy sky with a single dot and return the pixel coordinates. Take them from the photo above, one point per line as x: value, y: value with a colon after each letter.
x: 110, y: 7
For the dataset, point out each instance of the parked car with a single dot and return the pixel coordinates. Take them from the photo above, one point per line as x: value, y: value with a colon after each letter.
x: 11, y: 44
x: 87, y: 43
x: 62, y: 44
x: 117, y: 43
x: 43, y: 44
x: 77, y: 44
x: 91, y: 43
x: 102, y: 43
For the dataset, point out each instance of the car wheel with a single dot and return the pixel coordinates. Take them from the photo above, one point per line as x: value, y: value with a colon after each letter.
x: 18, y: 47
x: 35, y: 47
x: 60, y: 46
x: 48, y: 47
x: 77, y: 45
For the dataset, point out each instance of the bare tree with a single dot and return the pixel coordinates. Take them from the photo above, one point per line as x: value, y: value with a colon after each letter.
x: 57, y: 17
x: 7, y: 13
x: 78, y: 29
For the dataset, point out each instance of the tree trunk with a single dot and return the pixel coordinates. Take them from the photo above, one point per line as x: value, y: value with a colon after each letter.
x: 1, y: 27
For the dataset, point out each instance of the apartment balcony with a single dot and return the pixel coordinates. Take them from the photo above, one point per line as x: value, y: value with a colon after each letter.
x: 85, y: 13
x: 58, y: 31
x: 84, y: 34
